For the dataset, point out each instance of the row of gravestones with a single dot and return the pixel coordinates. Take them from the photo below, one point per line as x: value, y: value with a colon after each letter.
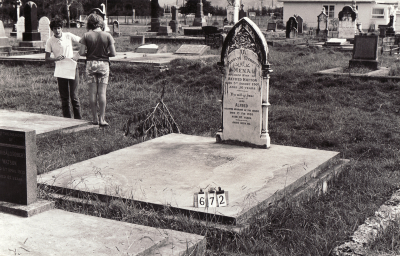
x: 43, y: 28
x: 347, y: 24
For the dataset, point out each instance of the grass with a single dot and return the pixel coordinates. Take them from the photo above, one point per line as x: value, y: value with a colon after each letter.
x: 359, y: 118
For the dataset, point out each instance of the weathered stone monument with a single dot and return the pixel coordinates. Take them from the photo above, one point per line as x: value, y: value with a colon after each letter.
x: 199, y: 19
x: 116, y: 30
x: 272, y: 26
x: 245, y: 86
x: 20, y: 27
x: 44, y: 28
x: 365, y: 51
x: 291, y: 28
x: 299, y: 24
x: 322, y: 29
x: 155, y: 21
x: 4, y: 41
x: 174, y: 24
x: 31, y: 36
x: 17, y: 5
x: 18, y: 172
x: 347, y: 22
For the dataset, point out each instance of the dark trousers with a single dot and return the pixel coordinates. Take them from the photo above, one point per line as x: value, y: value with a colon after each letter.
x: 68, y: 89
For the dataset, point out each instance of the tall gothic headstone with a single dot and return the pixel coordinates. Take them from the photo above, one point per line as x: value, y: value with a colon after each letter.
x: 347, y: 22
x: 31, y: 23
x: 245, y: 86
x: 155, y: 21
x: 322, y: 29
x: 199, y: 19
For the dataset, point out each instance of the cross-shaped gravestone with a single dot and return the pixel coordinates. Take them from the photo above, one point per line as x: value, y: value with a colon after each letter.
x: 245, y: 86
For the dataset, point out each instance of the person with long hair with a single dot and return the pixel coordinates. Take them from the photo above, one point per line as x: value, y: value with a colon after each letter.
x: 98, y: 47
x: 60, y: 44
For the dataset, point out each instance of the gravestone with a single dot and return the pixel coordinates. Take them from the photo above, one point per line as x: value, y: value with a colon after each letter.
x: 44, y: 28
x: 18, y: 166
x: 20, y: 27
x: 148, y: 48
x: 4, y: 41
x: 155, y: 21
x: 17, y: 5
x: 116, y: 30
x: 365, y: 51
x: 347, y: 22
x: 139, y: 39
x: 164, y: 31
x: 245, y: 86
x: 199, y: 19
x: 299, y: 24
x: 322, y: 19
x: 272, y: 26
x: 190, y: 49
x: 242, y: 13
x: 174, y: 22
x: 31, y: 23
x: 230, y: 14
x: 291, y: 28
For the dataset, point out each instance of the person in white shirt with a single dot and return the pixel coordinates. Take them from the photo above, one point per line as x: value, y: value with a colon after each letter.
x: 60, y: 44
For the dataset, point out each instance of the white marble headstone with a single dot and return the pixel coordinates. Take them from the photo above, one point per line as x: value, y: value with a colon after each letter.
x: 44, y: 28
x: 347, y: 28
x: 20, y: 27
x: 245, y: 86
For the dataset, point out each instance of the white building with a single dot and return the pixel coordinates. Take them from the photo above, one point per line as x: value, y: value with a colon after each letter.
x: 369, y: 11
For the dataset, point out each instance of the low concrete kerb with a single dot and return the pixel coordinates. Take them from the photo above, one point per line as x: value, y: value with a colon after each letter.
x: 372, y: 229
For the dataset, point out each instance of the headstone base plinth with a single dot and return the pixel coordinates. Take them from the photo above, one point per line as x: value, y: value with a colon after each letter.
x: 31, y: 36
x: 264, y: 141
x: 5, y: 48
x: 372, y: 64
x: 164, y: 31
x: 32, y: 44
x: 155, y: 24
x: 199, y: 21
x: 26, y: 210
x: 174, y: 25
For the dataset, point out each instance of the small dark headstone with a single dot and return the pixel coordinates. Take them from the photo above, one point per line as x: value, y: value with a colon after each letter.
x: 242, y: 13
x: 174, y: 21
x: 272, y: 26
x: 299, y: 24
x: 155, y: 21
x: 365, y: 51
x: 18, y: 166
x: 209, y: 30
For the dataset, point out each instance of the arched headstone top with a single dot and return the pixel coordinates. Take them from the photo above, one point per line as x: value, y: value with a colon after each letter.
x: 347, y: 11
x: 245, y: 35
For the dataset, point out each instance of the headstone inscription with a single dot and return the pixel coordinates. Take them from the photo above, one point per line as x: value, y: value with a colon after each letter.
x: 347, y: 22
x: 365, y: 51
x: 291, y: 28
x: 20, y: 27
x: 322, y: 19
x: 44, y: 28
x: 31, y: 23
x: 17, y: 165
x: 245, y: 86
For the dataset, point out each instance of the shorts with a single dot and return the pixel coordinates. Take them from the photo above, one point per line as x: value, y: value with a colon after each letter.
x: 98, y: 71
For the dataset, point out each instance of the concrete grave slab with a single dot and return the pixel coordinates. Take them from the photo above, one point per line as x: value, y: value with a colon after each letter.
x: 168, y: 170
x: 42, y: 124
x: 58, y: 232
x: 190, y: 49
x: 148, y: 48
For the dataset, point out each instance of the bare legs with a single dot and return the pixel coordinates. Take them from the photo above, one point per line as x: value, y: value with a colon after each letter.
x: 97, y: 92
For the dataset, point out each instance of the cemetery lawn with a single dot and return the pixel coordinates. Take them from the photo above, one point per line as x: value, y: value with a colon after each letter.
x: 357, y: 117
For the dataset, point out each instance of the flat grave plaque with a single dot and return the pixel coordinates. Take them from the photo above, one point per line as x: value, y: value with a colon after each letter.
x: 17, y: 165
x: 272, y: 26
x: 192, y: 49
